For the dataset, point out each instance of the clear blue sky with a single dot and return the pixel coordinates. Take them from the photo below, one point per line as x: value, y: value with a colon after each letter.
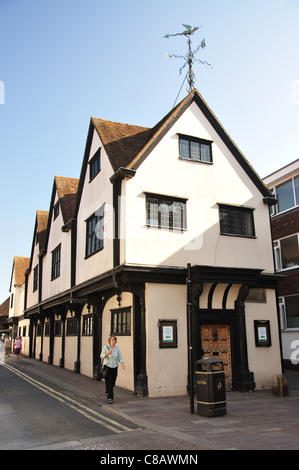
x: 63, y: 61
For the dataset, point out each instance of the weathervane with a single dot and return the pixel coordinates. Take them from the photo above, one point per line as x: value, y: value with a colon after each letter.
x: 189, y: 58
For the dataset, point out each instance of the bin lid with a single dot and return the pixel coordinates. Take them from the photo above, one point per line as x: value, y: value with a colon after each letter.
x: 208, y: 362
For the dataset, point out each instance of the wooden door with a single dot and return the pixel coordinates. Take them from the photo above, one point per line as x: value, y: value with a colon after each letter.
x: 216, y: 343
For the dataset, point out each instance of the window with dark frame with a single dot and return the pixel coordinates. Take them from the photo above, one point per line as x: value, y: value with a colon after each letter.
x: 237, y: 221
x: 121, y: 321
x: 57, y: 328
x: 87, y: 328
x: 39, y: 329
x: 56, y: 211
x: 56, y: 258
x: 95, y: 233
x: 165, y: 212
x: 95, y: 165
x: 195, y: 149
x: 47, y: 328
x: 35, y: 278
x: 72, y: 326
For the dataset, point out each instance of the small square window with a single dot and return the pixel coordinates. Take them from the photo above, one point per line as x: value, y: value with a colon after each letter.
x: 236, y: 221
x: 195, y: 149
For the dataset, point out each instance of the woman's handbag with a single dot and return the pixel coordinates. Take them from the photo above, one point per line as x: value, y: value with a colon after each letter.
x: 102, y: 371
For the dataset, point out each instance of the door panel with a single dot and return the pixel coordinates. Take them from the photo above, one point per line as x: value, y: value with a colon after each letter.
x: 216, y: 342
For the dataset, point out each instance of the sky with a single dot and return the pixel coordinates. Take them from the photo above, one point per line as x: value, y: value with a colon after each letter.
x: 64, y: 61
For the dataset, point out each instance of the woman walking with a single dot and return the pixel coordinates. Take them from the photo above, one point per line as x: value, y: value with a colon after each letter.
x: 112, y: 356
x: 18, y: 346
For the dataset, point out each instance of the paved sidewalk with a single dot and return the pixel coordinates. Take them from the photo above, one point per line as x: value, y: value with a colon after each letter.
x: 254, y: 421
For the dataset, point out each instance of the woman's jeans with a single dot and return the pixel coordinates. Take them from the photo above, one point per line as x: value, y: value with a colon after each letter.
x: 110, y: 381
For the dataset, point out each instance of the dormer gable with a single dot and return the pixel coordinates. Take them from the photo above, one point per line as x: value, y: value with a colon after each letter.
x: 63, y: 200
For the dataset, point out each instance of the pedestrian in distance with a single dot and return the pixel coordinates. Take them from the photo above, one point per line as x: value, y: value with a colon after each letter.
x: 7, y: 347
x: 112, y: 357
x: 18, y: 346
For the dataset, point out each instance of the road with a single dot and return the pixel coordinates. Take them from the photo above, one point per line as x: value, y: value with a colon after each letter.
x: 34, y: 413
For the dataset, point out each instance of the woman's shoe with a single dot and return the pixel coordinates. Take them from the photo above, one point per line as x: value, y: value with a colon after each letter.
x: 110, y: 401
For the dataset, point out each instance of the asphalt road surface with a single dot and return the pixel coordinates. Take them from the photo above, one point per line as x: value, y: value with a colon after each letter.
x: 34, y: 413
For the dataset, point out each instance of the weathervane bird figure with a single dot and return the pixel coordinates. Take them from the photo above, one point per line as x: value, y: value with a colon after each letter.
x: 189, y: 58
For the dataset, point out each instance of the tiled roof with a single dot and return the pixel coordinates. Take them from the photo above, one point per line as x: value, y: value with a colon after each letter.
x: 4, y: 307
x: 122, y: 142
x: 21, y: 264
x: 67, y: 192
x: 42, y: 222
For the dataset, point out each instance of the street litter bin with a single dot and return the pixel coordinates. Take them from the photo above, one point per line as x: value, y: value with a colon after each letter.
x: 210, y: 387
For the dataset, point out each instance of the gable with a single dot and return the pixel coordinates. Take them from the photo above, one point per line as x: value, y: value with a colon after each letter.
x: 20, y: 266
x: 160, y: 130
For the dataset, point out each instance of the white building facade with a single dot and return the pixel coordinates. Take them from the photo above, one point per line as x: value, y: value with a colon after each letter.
x: 166, y: 243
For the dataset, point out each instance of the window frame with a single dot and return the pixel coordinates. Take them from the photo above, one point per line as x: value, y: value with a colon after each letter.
x: 56, y: 210
x: 284, y: 313
x: 91, y: 238
x: 56, y: 263
x: 87, y: 325
x: 169, y: 201
x: 278, y: 255
x: 95, y: 165
x: 35, y: 279
x: 295, y: 194
x: 239, y: 211
x: 121, y: 321
x: 195, y: 140
x: 72, y: 326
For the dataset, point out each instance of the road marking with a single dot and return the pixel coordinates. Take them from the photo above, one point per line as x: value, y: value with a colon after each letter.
x: 82, y: 409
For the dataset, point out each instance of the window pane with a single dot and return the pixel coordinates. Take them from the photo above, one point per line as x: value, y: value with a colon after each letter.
x: 152, y: 212
x: 292, y: 311
x: 289, y: 252
x: 184, y: 148
x: 285, y: 196
x: 236, y: 221
x: 195, y: 151
x: 205, y: 153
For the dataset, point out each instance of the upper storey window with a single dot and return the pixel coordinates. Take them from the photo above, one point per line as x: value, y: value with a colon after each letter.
x: 195, y: 149
x: 237, y: 221
x: 165, y: 212
x: 287, y: 195
x: 95, y: 165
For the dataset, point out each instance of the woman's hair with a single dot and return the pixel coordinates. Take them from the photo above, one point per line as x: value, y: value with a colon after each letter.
x: 110, y: 337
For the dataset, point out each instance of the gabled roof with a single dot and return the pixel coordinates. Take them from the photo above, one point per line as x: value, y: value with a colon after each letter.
x: 127, y: 146
x: 19, y: 267
x: 121, y: 141
x: 40, y: 231
x: 4, y: 308
x: 41, y: 227
x: 66, y: 189
x: 67, y: 192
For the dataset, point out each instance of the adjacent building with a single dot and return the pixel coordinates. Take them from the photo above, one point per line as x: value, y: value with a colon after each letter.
x: 284, y: 185
x: 165, y: 242
x: 17, y: 301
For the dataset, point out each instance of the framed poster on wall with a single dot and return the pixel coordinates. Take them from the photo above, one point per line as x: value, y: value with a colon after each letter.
x: 262, y: 333
x: 168, y: 334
